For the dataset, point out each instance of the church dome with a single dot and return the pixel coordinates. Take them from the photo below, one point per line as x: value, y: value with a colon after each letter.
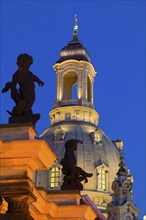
x: 98, y: 155
x: 97, y: 148
x: 92, y: 136
x: 75, y: 49
x: 74, y: 117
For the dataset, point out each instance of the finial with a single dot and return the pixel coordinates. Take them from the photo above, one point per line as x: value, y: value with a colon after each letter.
x: 75, y: 24
x: 122, y: 170
x: 119, y: 144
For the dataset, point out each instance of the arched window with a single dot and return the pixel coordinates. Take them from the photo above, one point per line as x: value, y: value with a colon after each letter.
x: 102, y: 176
x: 69, y: 80
x: 55, y: 177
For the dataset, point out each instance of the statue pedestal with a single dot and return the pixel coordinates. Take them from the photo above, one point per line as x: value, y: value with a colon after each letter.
x: 21, y: 131
x: 64, y: 197
x: 21, y: 154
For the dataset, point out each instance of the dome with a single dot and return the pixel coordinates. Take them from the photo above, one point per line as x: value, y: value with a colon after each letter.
x: 74, y: 50
x: 96, y: 153
x: 77, y: 119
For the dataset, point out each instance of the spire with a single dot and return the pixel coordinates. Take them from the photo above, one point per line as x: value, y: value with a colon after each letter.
x: 122, y: 185
x: 75, y: 33
x: 123, y: 169
x: 75, y: 24
x: 122, y: 205
x: 75, y: 50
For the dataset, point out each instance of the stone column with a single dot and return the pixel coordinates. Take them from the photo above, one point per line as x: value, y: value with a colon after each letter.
x: 18, y: 208
x: 92, y: 93
x: 18, y: 193
x: 84, y: 85
x: 79, y: 85
x: 59, y: 86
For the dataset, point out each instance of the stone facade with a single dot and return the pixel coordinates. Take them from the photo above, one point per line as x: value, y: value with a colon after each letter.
x: 20, y: 198
x: 96, y: 152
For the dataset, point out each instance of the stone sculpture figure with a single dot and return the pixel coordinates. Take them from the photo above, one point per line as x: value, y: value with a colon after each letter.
x: 24, y: 96
x: 74, y: 175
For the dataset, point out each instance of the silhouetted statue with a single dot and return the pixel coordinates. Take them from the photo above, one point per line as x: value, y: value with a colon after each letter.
x: 73, y: 175
x: 23, y: 97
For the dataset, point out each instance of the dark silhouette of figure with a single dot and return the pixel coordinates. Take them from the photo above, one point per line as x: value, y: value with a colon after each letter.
x: 73, y: 175
x: 14, y: 92
x: 24, y: 96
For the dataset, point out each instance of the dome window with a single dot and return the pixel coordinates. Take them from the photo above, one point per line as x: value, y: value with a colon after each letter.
x: 102, y: 177
x: 97, y: 136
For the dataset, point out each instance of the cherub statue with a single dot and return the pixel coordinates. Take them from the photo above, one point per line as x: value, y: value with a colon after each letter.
x: 24, y: 96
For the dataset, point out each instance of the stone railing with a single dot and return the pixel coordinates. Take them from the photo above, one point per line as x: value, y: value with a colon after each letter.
x: 73, y: 102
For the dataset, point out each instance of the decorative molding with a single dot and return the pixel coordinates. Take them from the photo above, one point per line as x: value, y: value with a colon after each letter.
x: 59, y: 135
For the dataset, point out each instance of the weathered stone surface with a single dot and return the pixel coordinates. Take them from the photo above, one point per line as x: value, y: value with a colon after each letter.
x: 17, y: 132
x: 16, y: 216
x: 90, y: 156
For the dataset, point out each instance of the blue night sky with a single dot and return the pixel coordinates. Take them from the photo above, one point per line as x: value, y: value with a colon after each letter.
x: 114, y: 34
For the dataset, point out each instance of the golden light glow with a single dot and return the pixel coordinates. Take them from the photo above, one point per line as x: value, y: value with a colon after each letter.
x: 76, y: 112
x: 97, y: 137
x: 55, y: 176
x: 60, y: 96
x: 79, y: 94
x: 102, y: 179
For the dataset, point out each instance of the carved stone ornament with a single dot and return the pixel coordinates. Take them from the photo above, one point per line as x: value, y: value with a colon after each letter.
x: 127, y: 185
x: 115, y: 186
x: 59, y: 134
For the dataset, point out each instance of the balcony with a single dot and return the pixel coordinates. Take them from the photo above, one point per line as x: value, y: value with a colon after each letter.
x: 73, y: 102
